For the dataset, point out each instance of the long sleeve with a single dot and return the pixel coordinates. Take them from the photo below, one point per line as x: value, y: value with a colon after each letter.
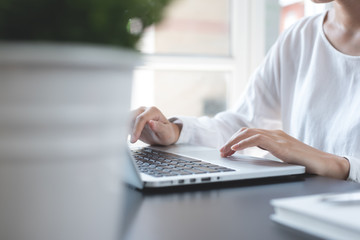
x: 259, y: 107
x: 354, y: 174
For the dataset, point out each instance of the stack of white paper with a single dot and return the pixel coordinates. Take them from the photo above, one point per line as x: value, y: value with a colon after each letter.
x: 330, y: 216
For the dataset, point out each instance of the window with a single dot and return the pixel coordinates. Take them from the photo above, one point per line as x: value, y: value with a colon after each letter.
x: 191, y: 28
x: 199, y: 59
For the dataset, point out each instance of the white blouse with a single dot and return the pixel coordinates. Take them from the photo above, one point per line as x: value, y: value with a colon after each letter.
x: 305, y: 87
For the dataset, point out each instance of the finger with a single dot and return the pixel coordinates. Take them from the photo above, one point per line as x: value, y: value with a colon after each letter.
x: 133, y: 115
x: 139, y: 124
x: 141, y: 120
x: 257, y: 140
x: 237, y: 137
x: 226, y: 147
x: 136, y: 112
x: 227, y: 154
x: 158, y: 127
x: 148, y: 136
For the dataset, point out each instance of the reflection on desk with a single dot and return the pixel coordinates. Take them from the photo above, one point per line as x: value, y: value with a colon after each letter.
x: 239, y: 210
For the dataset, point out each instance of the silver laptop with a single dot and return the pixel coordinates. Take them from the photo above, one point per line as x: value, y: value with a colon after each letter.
x: 178, y: 165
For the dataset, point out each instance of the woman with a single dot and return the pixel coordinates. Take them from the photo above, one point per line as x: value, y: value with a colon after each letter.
x: 308, y: 86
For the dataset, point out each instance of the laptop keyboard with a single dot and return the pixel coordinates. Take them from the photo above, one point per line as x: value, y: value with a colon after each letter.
x: 159, y: 164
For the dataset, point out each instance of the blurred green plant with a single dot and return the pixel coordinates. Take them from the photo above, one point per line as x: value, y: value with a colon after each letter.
x: 109, y: 22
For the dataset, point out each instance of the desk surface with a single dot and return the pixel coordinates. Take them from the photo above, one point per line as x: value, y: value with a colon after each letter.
x: 238, y: 210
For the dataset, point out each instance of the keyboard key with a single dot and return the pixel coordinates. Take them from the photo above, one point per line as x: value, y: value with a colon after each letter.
x: 227, y: 170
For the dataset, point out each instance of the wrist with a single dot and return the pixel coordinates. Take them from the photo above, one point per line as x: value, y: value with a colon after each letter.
x: 344, y: 165
x: 334, y: 166
x: 177, y: 130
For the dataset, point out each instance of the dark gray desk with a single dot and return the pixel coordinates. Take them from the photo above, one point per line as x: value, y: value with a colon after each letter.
x: 239, y: 210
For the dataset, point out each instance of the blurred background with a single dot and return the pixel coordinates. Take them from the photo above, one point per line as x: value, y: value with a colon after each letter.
x: 199, y: 59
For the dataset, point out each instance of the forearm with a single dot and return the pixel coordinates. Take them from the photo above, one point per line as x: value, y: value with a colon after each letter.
x: 326, y: 164
x: 333, y: 166
x: 318, y: 162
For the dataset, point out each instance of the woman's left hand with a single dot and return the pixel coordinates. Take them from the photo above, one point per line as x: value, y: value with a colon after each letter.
x: 288, y: 149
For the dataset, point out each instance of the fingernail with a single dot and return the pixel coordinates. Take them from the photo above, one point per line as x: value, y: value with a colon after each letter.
x: 234, y: 147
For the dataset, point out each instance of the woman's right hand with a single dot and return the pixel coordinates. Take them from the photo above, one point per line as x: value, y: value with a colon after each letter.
x: 152, y: 127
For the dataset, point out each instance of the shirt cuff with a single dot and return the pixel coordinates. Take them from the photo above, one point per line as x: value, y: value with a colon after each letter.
x: 186, y: 130
x: 354, y: 173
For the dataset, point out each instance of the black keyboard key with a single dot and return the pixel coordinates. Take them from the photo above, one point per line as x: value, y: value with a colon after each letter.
x: 227, y: 170
x: 195, y: 160
x: 188, y: 166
